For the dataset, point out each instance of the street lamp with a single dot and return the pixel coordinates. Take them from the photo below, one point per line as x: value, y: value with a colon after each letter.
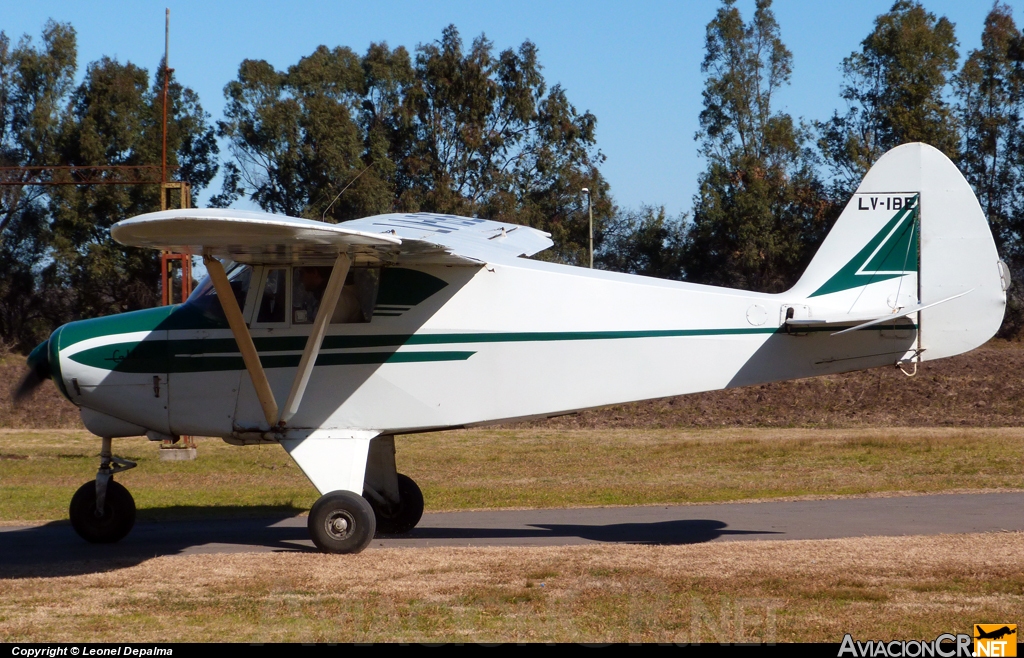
x: 590, y: 212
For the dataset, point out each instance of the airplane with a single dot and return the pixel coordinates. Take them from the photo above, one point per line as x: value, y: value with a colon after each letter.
x: 997, y: 634
x: 331, y: 339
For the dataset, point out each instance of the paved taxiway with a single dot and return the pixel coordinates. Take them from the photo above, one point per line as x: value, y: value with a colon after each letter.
x: 50, y: 549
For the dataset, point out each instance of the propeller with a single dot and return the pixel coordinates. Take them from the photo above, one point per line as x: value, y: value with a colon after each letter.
x: 38, y: 371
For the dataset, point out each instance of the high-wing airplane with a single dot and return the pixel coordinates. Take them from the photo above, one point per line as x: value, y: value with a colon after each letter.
x: 330, y: 339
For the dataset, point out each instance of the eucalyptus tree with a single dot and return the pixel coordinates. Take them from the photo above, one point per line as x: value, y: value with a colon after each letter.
x: 448, y: 129
x: 57, y: 261
x: 760, y: 210
x: 35, y: 82
x: 114, y: 118
x: 895, y: 87
x: 990, y: 103
x: 645, y: 241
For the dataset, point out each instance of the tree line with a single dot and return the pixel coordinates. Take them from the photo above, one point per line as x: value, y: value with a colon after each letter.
x: 474, y: 131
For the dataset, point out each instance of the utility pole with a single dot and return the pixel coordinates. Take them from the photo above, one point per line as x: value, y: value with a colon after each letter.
x: 167, y: 80
x: 187, y: 448
x: 167, y: 190
x: 590, y: 212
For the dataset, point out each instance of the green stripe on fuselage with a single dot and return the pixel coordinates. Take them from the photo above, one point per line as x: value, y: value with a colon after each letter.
x: 213, y: 354
x: 155, y: 357
x: 218, y: 354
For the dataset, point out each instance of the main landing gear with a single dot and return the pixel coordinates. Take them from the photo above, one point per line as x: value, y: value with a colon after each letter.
x: 102, y: 511
x: 343, y: 522
x: 391, y: 504
x: 401, y: 516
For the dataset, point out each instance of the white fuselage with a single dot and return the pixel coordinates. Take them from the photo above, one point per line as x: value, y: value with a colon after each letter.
x: 506, y: 341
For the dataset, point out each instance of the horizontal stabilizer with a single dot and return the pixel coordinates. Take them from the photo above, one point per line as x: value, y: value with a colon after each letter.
x: 863, y: 321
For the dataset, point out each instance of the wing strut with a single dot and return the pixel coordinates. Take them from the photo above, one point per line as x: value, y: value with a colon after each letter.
x: 243, y: 338
x: 316, y: 335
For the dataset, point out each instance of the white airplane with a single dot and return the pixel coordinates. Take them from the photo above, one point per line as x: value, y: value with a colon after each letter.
x: 406, y: 323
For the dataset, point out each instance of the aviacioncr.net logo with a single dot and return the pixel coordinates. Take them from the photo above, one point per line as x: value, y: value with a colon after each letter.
x: 995, y: 640
x: 946, y: 645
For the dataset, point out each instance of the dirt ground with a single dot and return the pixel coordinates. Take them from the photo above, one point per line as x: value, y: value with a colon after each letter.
x: 983, y: 388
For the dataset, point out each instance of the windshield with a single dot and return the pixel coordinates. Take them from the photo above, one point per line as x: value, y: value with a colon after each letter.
x: 204, y: 298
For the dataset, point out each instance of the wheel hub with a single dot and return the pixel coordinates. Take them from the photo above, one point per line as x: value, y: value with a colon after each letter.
x: 338, y: 524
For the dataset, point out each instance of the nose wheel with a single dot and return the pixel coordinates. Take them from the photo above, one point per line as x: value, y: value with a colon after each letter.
x: 102, y: 511
x: 111, y: 524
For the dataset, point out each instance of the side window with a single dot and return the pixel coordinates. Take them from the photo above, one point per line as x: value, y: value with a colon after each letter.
x: 355, y: 304
x: 308, y: 286
x: 364, y: 284
x: 273, y: 304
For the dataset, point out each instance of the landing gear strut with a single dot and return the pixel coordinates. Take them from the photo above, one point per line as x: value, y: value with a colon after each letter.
x: 102, y: 511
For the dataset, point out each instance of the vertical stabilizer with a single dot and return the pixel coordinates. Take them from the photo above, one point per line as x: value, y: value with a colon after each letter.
x: 913, y: 233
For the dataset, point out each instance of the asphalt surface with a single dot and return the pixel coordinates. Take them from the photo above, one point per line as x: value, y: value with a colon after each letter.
x: 55, y: 549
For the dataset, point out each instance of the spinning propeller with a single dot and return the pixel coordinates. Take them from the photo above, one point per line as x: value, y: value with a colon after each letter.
x: 38, y: 372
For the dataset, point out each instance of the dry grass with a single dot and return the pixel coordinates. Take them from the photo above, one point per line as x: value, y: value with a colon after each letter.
x: 532, y: 467
x: 41, y: 469
x: 536, y: 467
x: 889, y: 588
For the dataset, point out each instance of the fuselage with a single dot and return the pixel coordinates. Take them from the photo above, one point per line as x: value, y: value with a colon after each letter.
x: 452, y: 346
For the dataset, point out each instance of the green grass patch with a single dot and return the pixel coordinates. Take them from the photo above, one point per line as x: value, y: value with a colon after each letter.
x: 532, y: 468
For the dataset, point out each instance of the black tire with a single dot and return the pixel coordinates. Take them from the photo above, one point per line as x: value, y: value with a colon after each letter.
x: 116, y: 521
x: 341, y: 522
x: 403, y: 518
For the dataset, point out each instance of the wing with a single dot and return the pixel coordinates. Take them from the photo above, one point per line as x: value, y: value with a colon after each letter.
x: 258, y: 237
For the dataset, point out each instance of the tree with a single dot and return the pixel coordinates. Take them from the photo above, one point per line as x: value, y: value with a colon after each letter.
x: 452, y: 131
x: 895, y: 87
x: 760, y: 210
x: 990, y: 94
x: 644, y: 241
x: 114, y: 117
x: 295, y: 138
x: 57, y: 261
x: 34, y: 85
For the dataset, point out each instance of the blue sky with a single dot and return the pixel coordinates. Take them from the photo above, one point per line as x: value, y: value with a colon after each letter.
x: 635, y: 65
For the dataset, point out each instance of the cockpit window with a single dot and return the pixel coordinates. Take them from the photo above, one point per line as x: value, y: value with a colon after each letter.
x: 204, y: 298
x: 355, y: 304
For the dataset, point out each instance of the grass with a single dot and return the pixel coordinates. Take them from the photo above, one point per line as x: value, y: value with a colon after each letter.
x: 873, y: 588
x: 529, y: 467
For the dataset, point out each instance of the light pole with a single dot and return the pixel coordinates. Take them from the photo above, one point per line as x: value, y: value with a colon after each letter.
x: 590, y: 212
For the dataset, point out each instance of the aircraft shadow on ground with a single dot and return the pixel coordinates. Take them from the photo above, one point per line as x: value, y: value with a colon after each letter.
x: 684, y: 531
x: 54, y: 550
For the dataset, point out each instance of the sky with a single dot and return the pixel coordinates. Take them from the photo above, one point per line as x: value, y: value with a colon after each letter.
x: 634, y: 65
